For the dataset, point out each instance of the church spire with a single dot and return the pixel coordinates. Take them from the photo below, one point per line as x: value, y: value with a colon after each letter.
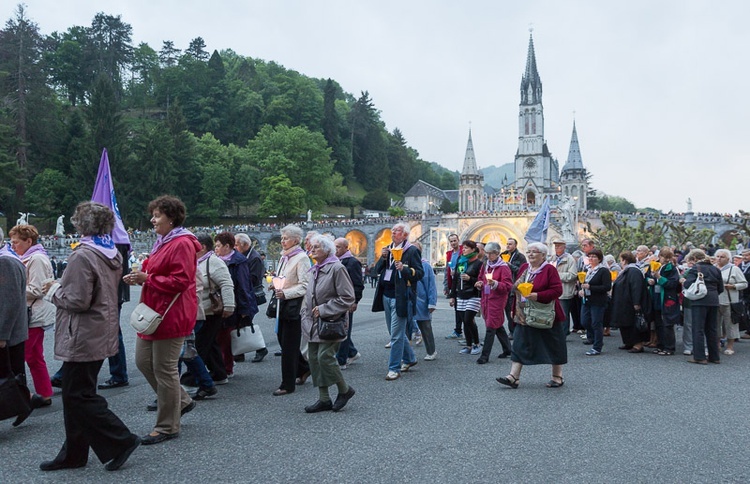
x: 531, y: 83
x: 574, y: 153
x: 470, y: 162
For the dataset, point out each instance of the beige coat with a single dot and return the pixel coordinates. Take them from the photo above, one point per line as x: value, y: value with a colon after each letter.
x: 334, y: 294
x: 88, y: 321
x: 220, y: 279
x: 296, y: 272
x: 568, y: 273
x: 38, y: 270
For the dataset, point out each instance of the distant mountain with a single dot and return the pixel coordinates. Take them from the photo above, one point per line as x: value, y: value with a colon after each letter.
x: 493, y: 175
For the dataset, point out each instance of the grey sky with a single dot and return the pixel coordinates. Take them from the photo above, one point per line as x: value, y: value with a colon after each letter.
x: 659, y: 88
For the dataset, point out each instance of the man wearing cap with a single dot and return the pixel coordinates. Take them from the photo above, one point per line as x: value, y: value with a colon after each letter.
x: 515, y: 260
x: 451, y: 259
x: 745, y: 293
x: 566, y: 268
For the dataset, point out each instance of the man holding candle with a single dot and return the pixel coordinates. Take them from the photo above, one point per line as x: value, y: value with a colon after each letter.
x: 399, y: 269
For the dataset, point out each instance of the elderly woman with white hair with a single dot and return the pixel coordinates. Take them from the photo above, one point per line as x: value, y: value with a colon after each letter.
x: 533, y: 345
x: 294, y: 271
x: 329, y: 295
x: 734, y: 282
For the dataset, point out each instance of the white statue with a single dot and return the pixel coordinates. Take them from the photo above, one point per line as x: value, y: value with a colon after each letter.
x: 23, y: 220
x: 689, y: 204
x: 567, y: 210
x: 60, y: 228
x: 309, y: 215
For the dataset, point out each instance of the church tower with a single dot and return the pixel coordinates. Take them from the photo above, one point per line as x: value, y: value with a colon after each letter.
x: 537, y: 173
x: 573, y: 176
x: 470, y: 183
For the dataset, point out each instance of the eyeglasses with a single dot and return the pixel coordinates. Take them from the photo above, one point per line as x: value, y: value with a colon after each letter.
x: 532, y: 252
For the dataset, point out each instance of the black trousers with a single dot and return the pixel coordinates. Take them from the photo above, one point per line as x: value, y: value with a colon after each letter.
x: 293, y: 365
x: 459, y: 321
x: 208, y: 348
x: 489, y: 339
x: 12, y: 361
x: 88, y: 420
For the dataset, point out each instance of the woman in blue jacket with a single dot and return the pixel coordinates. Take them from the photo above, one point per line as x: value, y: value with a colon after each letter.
x: 426, y: 304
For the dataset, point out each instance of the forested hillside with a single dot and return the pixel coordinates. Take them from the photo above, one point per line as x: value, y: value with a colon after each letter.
x: 229, y: 134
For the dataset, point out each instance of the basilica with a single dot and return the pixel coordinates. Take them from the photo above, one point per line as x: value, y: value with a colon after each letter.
x: 537, y: 173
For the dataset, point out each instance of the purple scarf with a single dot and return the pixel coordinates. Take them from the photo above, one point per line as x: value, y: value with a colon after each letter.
x: 204, y: 256
x: 318, y: 266
x: 531, y: 274
x: 499, y: 262
x: 6, y: 251
x: 345, y: 255
x: 405, y: 246
x: 228, y: 257
x: 34, y: 249
x: 102, y: 243
x: 173, y: 234
x: 291, y: 253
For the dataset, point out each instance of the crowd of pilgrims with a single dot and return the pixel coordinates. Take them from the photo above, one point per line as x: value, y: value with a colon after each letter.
x: 639, y: 293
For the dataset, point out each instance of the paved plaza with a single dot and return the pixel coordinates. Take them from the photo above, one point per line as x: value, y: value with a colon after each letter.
x: 619, y: 418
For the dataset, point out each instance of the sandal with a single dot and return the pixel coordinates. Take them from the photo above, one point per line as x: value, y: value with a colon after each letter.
x: 665, y: 353
x: 555, y: 384
x: 509, y: 380
x: 636, y: 350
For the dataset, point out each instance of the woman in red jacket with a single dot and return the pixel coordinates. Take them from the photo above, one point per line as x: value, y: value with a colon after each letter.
x: 495, y: 282
x: 168, y: 278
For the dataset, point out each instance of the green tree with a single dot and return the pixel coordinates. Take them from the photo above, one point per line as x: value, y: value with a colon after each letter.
x: 70, y: 63
x: 215, y: 181
x: 112, y: 48
x: 50, y: 194
x: 169, y: 54
x: 105, y: 119
x: 369, y: 145
x: 281, y: 198
x: 376, y: 200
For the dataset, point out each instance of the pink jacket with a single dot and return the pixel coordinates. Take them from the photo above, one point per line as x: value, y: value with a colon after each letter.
x: 493, y: 302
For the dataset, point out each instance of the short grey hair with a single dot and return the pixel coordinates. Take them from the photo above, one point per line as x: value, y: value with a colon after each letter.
x: 696, y: 255
x: 405, y: 227
x: 2, y: 235
x: 577, y: 254
x: 725, y: 252
x: 293, y: 231
x: 325, y: 243
x: 492, y: 247
x: 609, y: 259
x: 538, y: 246
x: 91, y: 218
x: 244, y: 239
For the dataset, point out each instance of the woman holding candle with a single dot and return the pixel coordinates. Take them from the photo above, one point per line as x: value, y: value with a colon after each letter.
x: 596, y: 285
x: 465, y: 295
x: 495, y: 288
x: 533, y: 346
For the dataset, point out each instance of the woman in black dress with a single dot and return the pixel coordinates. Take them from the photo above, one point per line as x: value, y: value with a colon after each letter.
x: 627, y: 299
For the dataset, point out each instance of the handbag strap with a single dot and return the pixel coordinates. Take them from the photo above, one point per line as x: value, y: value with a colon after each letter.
x: 208, y: 274
x: 174, y: 299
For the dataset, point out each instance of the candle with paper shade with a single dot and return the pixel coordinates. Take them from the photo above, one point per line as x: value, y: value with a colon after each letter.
x: 269, y: 278
x: 655, y: 265
x: 488, y: 276
x: 614, y: 274
x: 525, y: 288
x: 505, y: 257
x: 397, y: 252
x: 581, y: 277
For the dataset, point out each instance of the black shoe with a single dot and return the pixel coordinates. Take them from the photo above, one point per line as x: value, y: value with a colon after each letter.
x: 56, y: 465
x: 588, y: 342
x: 188, y: 379
x: 239, y: 358
x: 320, y: 406
x: 278, y: 353
x: 203, y: 393
x: 112, y: 384
x: 482, y: 360
x: 189, y: 407
x: 22, y: 417
x: 259, y: 355
x: 342, y: 399
x: 56, y: 382
x: 504, y: 354
x: 153, y: 406
x: 118, y: 461
x: 37, y: 401
x: 158, y: 438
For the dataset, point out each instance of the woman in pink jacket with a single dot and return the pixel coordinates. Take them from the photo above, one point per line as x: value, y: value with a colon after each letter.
x: 168, y: 278
x: 495, y: 283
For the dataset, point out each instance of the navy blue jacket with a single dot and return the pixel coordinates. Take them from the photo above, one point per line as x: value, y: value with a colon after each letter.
x: 244, y: 297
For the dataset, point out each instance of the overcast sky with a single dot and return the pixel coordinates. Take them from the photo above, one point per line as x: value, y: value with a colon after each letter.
x: 659, y: 88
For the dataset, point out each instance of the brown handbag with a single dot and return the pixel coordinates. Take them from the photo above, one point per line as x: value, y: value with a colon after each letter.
x: 214, y: 295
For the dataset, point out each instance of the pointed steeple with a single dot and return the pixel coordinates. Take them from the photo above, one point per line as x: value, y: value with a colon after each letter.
x: 470, y: 163
x: 531, y: 83
x: 574, y: 153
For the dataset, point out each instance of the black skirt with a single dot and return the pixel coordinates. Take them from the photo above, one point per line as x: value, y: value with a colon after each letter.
x: 532, y: 346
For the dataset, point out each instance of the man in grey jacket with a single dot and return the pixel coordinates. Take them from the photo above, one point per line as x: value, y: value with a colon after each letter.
x: 566, y: 268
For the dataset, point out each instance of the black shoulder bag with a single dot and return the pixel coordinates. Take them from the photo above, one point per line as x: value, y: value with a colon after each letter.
x: 332, y: 328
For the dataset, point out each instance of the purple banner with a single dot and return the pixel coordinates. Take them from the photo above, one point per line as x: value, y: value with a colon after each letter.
x: 104, y: 193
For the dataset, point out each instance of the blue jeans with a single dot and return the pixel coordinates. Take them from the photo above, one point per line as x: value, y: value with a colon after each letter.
x: 592, y: 318
x: 197, y: 367
x: 400, y: 348
x: 118, y: 366
x: 347, y: 349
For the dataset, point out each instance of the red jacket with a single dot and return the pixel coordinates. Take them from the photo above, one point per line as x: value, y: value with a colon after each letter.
x: 172, y: 271
x: 548, y: 286
x: 493, y: 302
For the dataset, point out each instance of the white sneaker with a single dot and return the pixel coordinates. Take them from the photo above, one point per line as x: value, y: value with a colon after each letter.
x: 465, y: 351
x: 342, y: 367
x: 354, y: 358
x: 418, y: 340
x: 475, y: 350
x: 388, y: 344
x: 392, y: 375
x: 431, y: 357
x: 687, y: 352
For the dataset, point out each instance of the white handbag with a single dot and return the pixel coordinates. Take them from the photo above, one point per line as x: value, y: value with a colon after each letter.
x: 145, y: 320
x: 247, y: 339
x: 698, y: 290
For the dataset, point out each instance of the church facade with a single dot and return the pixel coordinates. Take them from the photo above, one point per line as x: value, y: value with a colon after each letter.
x: 537, y: 172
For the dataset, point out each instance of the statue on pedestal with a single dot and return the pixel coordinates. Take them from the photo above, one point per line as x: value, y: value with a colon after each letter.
x: 309, y: 215
x: 60, y: 228
x: 689, y: 204
x: 567, y: 210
